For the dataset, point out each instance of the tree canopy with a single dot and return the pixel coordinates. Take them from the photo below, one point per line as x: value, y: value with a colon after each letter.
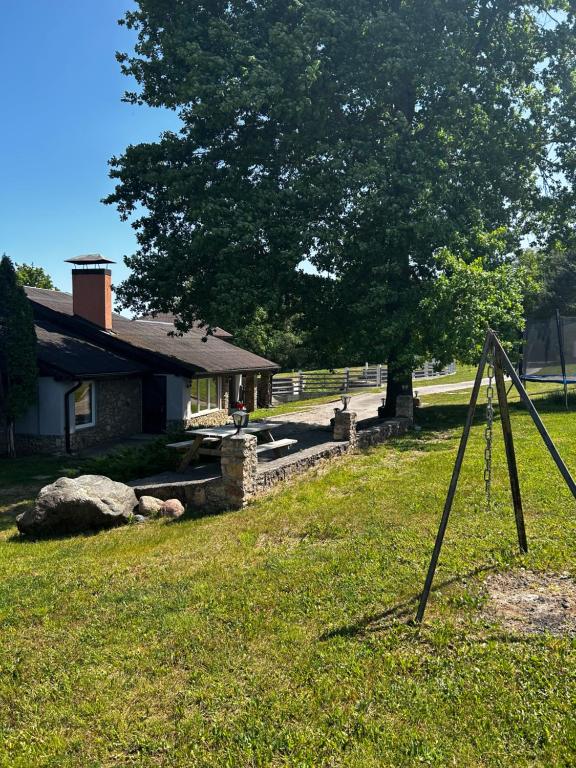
x: 371, y: 167
x: 36, y: 277
x: 18, y: 366
x: 555, y: 282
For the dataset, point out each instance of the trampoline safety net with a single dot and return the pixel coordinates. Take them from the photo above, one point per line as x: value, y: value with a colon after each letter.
x: 550, y: 350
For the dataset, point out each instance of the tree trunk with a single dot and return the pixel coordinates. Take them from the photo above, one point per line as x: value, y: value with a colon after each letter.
x: 399, y: 382
x: 11, y: 443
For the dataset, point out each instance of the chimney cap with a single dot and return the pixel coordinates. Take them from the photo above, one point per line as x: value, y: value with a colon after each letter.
x: 91, y: 258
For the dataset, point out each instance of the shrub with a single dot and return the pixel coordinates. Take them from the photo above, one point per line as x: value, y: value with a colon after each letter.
x: 129, y: 463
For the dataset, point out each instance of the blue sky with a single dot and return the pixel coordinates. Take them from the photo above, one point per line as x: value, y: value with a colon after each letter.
x: 62, y: 118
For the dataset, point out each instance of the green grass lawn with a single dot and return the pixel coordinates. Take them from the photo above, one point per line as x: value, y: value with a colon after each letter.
x: 277, y: 636
x: 463, y: 373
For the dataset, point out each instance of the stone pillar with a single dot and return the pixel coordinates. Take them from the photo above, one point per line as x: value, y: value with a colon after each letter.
x: 265, y: 390
x: 250, y: 391
x: 239, y: 466
x: 345, y: 427
x: 405, y: 407
x: 225, y: 400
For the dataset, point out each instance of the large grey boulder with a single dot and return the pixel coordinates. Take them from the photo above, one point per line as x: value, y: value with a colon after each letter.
x: 80, y: 504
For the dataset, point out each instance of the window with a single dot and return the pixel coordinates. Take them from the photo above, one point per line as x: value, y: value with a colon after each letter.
x: 204, y: 395
x: 84, y: 411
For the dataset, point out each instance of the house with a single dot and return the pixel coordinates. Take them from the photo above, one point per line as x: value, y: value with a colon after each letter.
x: 103, y: 376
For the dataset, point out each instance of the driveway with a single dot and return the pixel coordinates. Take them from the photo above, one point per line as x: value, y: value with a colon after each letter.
x: 366, y: 406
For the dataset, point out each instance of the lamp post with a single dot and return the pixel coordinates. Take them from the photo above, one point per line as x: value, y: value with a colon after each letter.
x: 382, y: 409
x: 240, y: 419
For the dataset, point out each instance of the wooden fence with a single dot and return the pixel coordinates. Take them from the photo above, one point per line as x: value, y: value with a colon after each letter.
x: 306, y: 384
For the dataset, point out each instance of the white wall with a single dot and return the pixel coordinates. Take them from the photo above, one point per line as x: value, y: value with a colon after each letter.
x: 46, y: 417
x: 177, y: 398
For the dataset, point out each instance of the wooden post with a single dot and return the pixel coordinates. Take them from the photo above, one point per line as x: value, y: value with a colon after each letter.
x: 510, y: 453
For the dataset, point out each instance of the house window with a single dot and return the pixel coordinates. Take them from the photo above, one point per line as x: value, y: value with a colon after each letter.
x: 204, y: 395
x: 84, y: 406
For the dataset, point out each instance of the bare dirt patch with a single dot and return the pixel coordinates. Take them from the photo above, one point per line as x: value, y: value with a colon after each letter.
x: 532, y: 603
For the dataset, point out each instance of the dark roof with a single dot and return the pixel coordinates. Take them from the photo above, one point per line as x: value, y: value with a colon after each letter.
x: 145, y: 342
x: 67, y: 354
x: 90, y: 258
x: 167, y: 318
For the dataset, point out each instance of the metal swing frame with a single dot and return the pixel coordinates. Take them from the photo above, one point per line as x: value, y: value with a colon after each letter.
x: 493, y: 350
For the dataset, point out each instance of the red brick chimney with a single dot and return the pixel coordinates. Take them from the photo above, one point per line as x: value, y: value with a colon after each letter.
x: 92, y: 289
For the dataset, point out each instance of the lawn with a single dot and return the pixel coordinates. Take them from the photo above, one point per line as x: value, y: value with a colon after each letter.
x: 277, y: 636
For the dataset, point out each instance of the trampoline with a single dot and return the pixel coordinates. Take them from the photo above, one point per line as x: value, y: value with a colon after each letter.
x: 549, y: 352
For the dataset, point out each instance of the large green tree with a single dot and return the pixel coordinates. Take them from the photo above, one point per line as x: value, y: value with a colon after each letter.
x: 401, y: 151
x: 18, y: 367
x: 555, y: 281
x: 35, y: 277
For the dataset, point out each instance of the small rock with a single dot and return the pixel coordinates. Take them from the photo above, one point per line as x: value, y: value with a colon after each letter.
x: 172, y: 509
x: 139, y: 519
x: 149, y: 506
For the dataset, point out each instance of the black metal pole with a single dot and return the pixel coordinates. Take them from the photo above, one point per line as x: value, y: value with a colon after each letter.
x: 510, y: 453
x: 502, y: 364
x: 562, y: 356
x: 488, y: 343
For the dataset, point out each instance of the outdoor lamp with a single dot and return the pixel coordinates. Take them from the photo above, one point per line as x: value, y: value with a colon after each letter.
x: 345, y: 401
x: 240, y: 419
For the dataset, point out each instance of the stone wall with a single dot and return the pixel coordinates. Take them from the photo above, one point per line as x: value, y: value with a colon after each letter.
x: 27, y: 445
x: 250, y: 392
x: 207, y: 495
x: 265, y: 390
x: 212, y: 419
x: 118, y: 413
x: 302, y: 461
x: 243, y: 479
x: 345, y: 426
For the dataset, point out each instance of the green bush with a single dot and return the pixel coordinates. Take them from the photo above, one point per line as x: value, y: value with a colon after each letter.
x: 130, y: 463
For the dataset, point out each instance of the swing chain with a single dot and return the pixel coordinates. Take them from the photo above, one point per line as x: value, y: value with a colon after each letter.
x: 488, y: 431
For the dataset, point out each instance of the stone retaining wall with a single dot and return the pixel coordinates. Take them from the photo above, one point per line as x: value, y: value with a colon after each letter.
x: 118, y: 413
x: 243, y: 479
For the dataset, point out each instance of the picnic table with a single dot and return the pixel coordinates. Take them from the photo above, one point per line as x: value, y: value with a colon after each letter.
x: 208, y: 440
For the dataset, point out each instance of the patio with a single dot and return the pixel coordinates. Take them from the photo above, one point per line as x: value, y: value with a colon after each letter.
x: 204, y: 485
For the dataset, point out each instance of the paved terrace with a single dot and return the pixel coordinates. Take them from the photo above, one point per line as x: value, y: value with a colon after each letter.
x: 311, y: 427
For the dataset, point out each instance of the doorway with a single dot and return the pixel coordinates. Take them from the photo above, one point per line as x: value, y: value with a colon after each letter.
x: 154, y: 405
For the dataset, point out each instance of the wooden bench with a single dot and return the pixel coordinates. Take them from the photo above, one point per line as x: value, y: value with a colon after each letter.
x: 206, y: 446
x: 276, y: 445
x: 187, y: 443
x: 210, y: 447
